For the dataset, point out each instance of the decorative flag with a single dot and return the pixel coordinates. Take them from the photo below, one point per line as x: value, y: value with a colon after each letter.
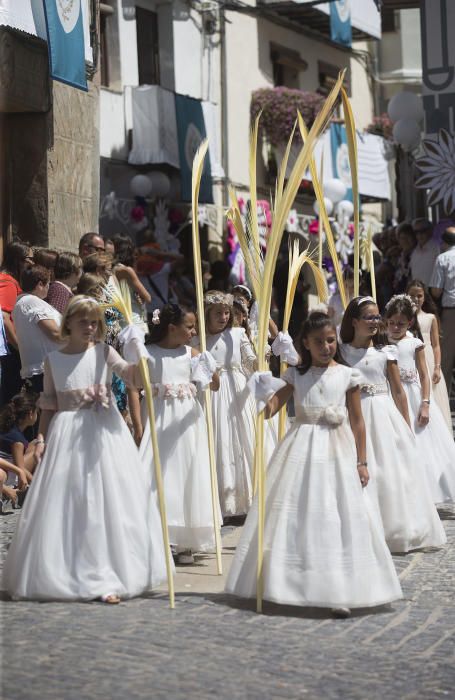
x: 190, y: 133
x: 65, y: 34
x: 340, y: 157
x: 340, y: 22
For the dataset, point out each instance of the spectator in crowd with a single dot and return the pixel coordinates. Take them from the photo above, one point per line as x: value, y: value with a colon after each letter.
x: 68, y: 270
x: 109, y: 246
x: 442, y: 286
x: 46, y: 258
x: 124, y: 269
x: 424, y: 255
x: 90, y: 243
x: 220, y: 271
x: 17, y: 257
x: 98, y: 264
x: 37, y: 325
x: 90, y: 285
x: 407, y: 242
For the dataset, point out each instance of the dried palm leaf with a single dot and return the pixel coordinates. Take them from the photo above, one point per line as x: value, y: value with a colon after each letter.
x: 351, y: 138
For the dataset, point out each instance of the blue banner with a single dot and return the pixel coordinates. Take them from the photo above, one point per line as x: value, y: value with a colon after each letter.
x: 65, y: 34
x: 190, y: 133
x: 340, y: 157
x: 340, y: 22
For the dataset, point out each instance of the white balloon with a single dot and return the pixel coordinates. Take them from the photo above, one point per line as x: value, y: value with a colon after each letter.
x: 345, y: 208
x: 406, y: 132
x: 141, y: 186
x: 334, y: 189
x: 161, y: 184
x: 405, y: 105
x: 328, y: 206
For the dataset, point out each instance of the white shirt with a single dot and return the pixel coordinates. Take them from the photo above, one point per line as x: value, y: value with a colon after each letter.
x: 443, y: 277
x: 34, y: 345
x: 423, y: 260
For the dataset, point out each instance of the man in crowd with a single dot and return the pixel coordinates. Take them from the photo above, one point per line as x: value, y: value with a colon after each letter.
x: 442, y: 286
x: 424, y: 255
x: 90, y: 243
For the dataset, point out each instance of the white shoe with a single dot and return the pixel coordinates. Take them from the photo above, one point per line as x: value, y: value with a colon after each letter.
x: 185, y: 558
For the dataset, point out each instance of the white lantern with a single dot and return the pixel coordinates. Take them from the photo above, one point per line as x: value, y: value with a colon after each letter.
x: 328, y: 206
x: 161, y: 184
x: 405, y: 105
x: 334, y: 189
x: 141, y: 186
x: 345, y: 208
x: 406, y: 132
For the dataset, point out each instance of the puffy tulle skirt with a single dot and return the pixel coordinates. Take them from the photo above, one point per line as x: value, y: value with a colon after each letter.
x: 398, y: 480
x: 436, y: 447
x: 90, y: 525
x: 323, y: 541
x: 183, y: 446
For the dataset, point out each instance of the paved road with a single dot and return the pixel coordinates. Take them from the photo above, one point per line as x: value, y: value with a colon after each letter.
x: 212, y: 646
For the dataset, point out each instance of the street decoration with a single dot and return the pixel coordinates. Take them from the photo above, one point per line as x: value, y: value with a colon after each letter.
x: 437, y: 168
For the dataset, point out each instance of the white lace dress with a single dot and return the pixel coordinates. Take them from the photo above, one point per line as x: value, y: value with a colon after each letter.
x: 397, y: 473
x: 435, y: 443
x: 323, y: 542
x: 438, y: 390
x: 76, y: 538
x: 183, y: 446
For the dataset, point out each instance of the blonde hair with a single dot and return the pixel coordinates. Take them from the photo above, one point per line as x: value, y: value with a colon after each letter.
x: 81, y: 304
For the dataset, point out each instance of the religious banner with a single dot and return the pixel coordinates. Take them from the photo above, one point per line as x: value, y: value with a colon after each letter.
x: 65, y: 32
x: 340, y: 157
x: 190, y: 133
x: 340, y: 22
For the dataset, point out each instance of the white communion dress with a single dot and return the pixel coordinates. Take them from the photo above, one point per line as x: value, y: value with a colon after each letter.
x: 323, y: 541
x: 76, y: 539
x: 183, y: 447
x: 397, y: 473
x: 439, y: 390
x: 434, y: 442
x: 234, y: 413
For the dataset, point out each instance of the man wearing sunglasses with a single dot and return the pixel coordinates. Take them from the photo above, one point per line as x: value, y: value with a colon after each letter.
x: 90, y: 243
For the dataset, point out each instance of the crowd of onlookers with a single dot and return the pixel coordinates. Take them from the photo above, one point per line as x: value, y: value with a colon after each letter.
x: 37, y: 283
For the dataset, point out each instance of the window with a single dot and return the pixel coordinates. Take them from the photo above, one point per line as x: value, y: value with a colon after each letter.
x: 109, y: 46
x: 147, y: 47
x: 287, y: 66
x: 328, y: 75
x: 390, y: 20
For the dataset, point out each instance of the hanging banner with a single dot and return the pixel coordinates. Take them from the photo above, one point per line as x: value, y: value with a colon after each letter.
x: 190, y: 133
x: 340, y: 157
x: 340, y: 22
x: 65, y: 33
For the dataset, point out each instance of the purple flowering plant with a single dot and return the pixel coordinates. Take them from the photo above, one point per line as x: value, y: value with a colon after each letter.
x: 279, y: 108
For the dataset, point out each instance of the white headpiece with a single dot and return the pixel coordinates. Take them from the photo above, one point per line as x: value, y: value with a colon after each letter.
x: 361, y: 300
x: 401, y: 297
x: 219, y: 298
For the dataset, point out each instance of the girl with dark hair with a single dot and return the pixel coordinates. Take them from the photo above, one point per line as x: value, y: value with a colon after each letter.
x: 409, y: 517
x: 434, y: 441
x: 427, y: 316
x: 17, y: 257
x: 67, y: 273
x: 181, y: 430
x: 323, y: 545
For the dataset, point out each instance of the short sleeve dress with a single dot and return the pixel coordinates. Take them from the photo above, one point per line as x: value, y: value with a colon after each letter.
x: 438, y: 390
x: 75, y: 539
x: 323, y: 542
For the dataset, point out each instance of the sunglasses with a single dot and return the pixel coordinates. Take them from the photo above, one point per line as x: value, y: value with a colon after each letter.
x: 371, y: 318
x: 99, y: 249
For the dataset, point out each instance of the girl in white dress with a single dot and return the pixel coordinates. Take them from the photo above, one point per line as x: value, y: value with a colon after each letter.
x: 323, y: 543
x: 434, y: 442
x: 408, y: 514
x: 233, y: 407
x: 429, y: 328
x: 181, y: 430
x: 75, y: 539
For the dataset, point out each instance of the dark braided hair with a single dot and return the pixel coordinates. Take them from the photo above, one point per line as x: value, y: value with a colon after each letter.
x: 16, y: 410
x: 170, y: 313
x: 315, y: 322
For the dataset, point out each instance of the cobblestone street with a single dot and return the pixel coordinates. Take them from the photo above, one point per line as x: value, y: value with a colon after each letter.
x: 213, y: 645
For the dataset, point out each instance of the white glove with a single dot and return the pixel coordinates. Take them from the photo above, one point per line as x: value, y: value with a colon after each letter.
x: 263, y: 385
x: 283, y: 348
x: 202, y: 368
x: 131, y: 340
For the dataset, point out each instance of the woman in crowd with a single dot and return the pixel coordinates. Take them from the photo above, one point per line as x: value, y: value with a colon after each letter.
x: 67, y: 273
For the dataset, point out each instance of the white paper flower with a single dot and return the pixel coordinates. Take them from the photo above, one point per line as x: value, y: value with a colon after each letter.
x: 437, y: 169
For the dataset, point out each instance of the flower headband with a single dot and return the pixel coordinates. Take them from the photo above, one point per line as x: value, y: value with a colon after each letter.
x: 219, y: 298
x: 401, y: 297
x: 240, y: 301
x: 362, y: 300
x: 156, y: 317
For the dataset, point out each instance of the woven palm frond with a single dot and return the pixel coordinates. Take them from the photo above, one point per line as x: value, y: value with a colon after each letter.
x: 351, y: 138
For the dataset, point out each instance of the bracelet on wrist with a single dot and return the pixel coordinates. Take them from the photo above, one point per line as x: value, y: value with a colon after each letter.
x: 362, y: 464
x: 437, y: 366
x: 426, y: 401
